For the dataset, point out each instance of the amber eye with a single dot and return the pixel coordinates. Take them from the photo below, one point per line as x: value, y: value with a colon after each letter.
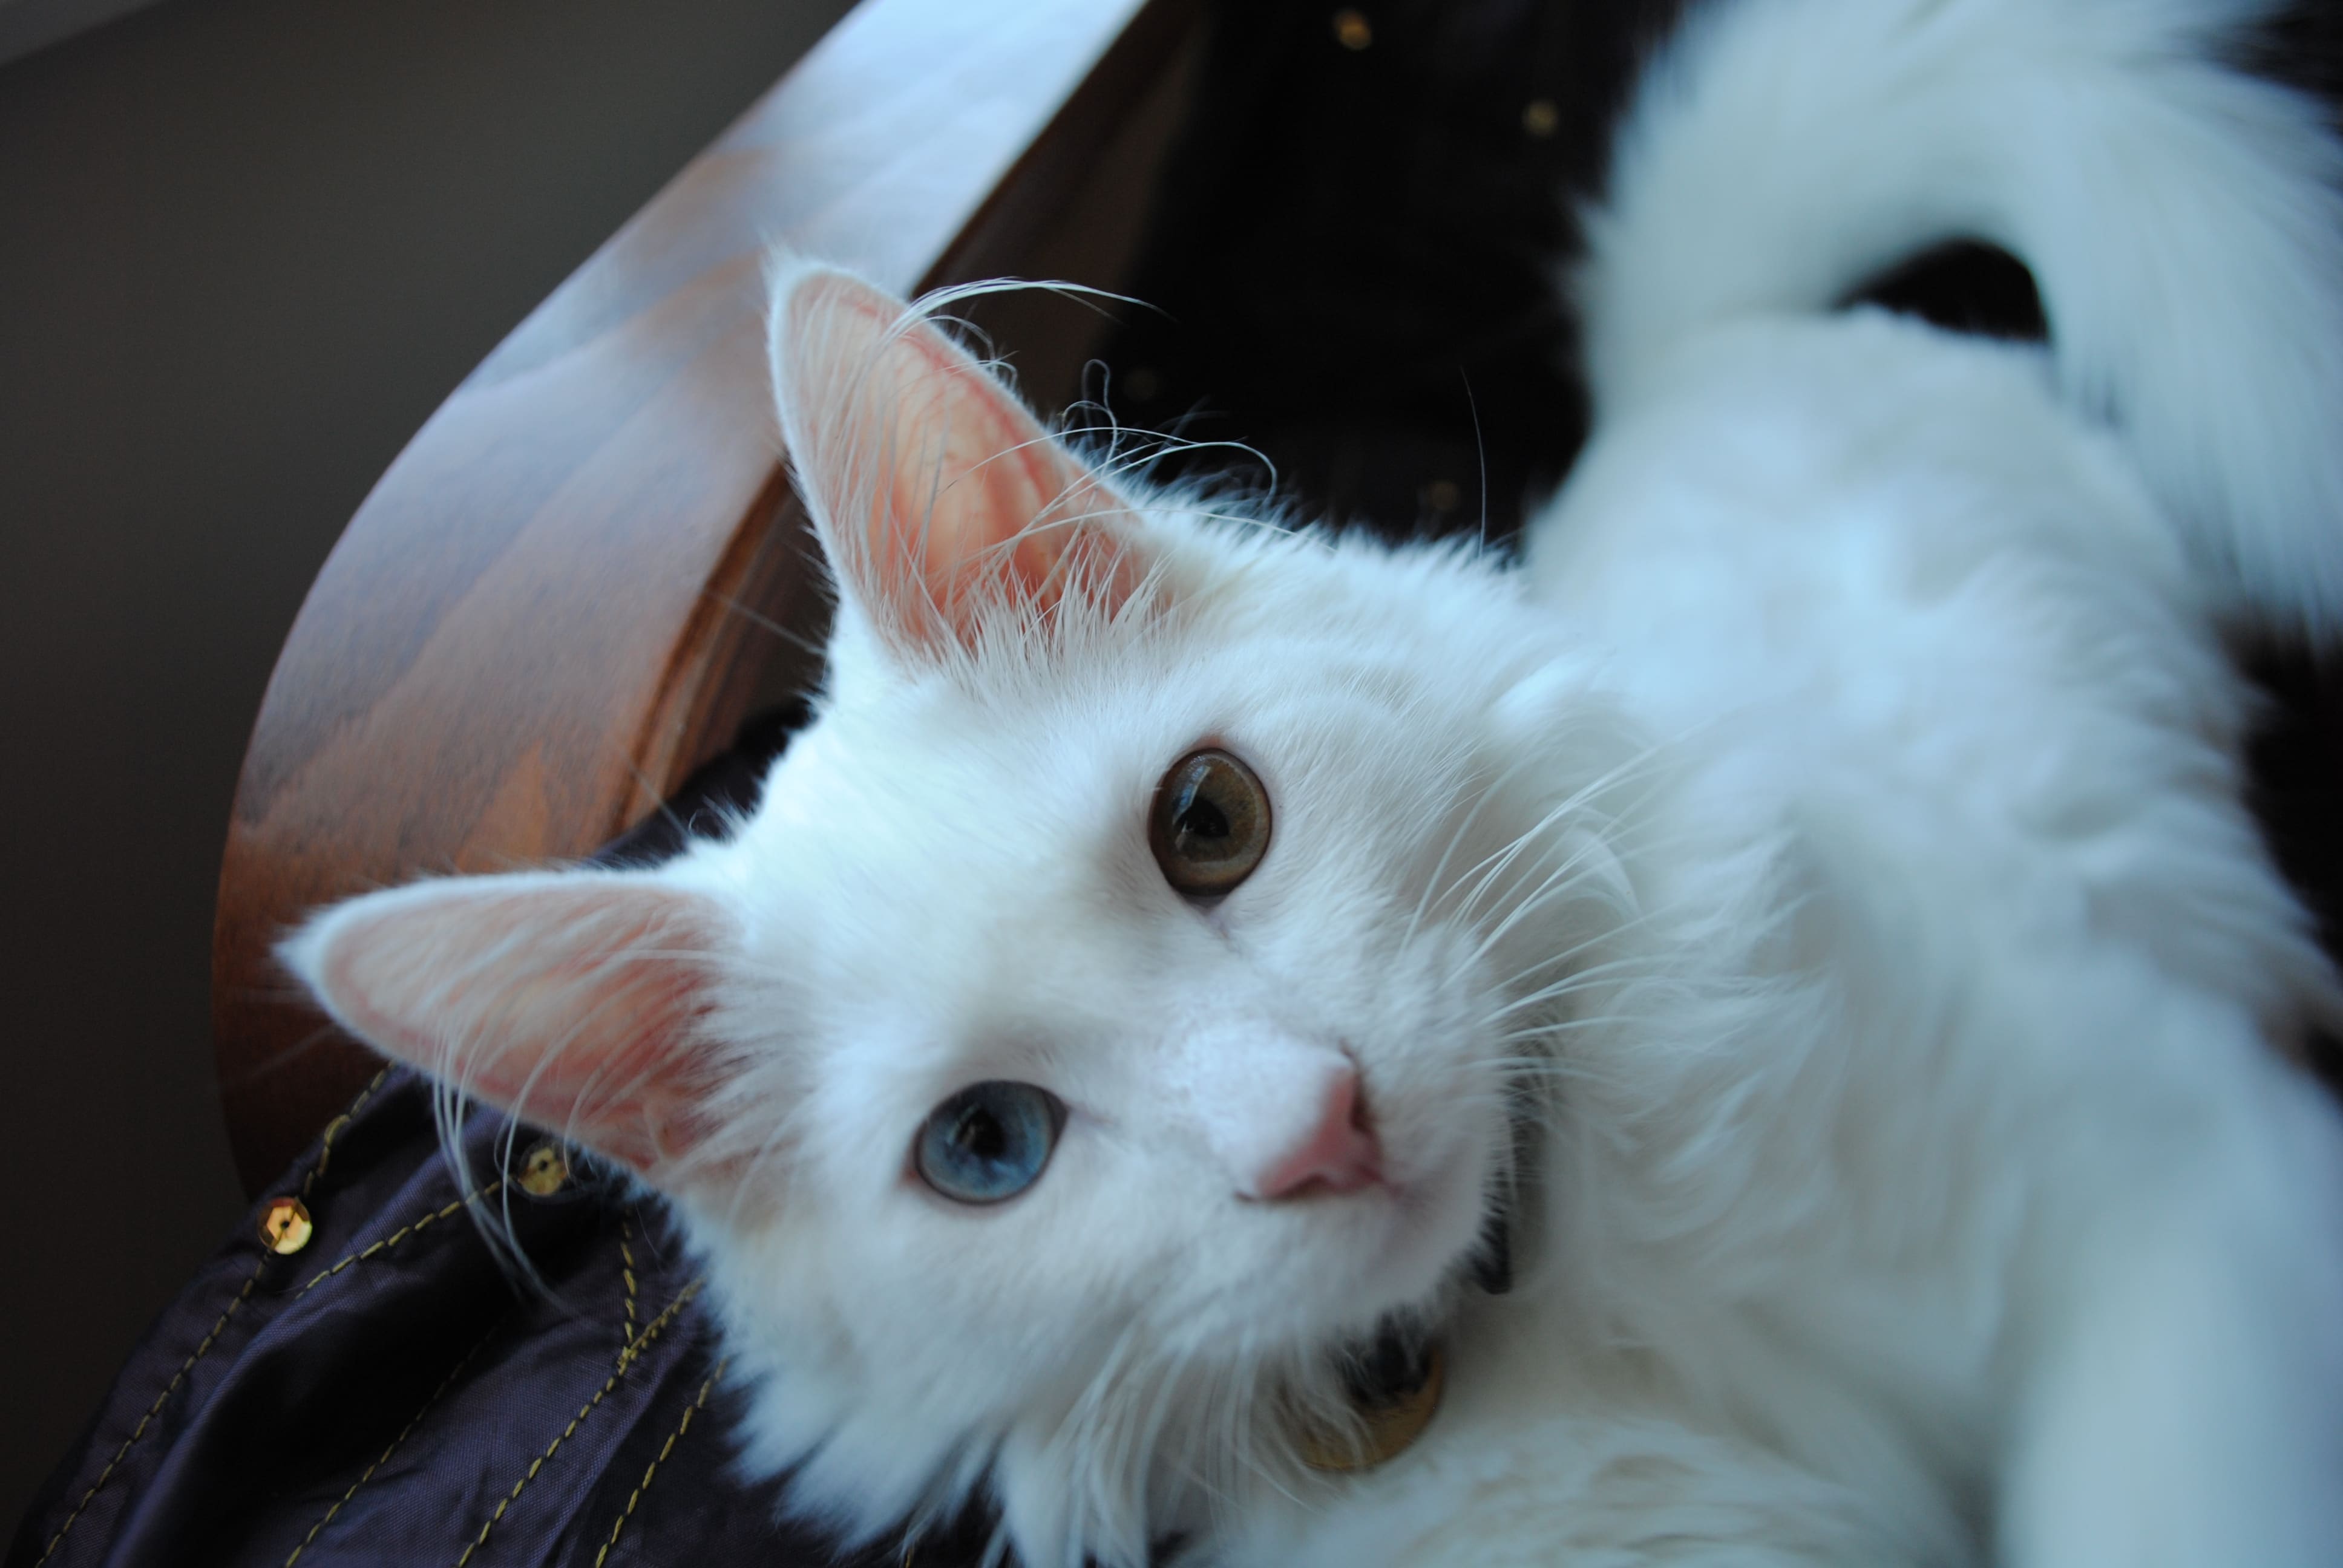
x: 1209, y: 826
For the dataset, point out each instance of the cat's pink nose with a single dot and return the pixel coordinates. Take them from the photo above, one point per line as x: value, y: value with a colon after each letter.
x: 1340, y: 1153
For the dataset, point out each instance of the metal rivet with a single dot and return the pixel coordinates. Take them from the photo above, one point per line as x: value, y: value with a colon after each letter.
x: 285, y: 1226
x: 543, y: 1171
x: 1541, y: 117
x: 1352, y: 30
x: 1442, y: 496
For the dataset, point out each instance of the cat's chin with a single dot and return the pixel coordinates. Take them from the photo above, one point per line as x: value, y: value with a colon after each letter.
x: 1349, y: 1263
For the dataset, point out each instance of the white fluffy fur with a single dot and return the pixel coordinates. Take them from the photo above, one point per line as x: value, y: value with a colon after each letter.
x: 1834, y: 834
x: 2183, y: 222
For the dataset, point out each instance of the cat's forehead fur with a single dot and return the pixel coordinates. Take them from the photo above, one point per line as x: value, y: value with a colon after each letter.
x: 1020, y: 775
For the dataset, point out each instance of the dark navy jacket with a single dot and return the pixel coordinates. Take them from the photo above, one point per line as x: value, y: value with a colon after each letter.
x: 389, y: 1394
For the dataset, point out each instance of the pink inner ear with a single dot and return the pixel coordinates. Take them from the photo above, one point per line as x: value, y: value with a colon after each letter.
x: 938, y: 494
x: 575, y: 1002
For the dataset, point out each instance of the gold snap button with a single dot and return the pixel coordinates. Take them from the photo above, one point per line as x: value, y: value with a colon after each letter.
x: 285, y: 1226
x: 543, y: 1171
x: 1541, y: 117
x: 1352, y: 30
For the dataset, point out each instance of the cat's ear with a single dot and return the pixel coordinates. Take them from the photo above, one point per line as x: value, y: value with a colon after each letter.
x: 575, y: 1000
x: 939, y: 497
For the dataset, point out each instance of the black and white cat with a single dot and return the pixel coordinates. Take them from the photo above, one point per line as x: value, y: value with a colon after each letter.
x: 1806, y: 911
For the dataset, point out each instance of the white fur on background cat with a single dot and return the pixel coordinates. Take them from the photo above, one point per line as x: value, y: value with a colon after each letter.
x: 1833, y: 833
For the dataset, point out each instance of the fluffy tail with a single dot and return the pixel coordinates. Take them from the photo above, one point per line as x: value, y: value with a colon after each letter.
x: 2183, y: 221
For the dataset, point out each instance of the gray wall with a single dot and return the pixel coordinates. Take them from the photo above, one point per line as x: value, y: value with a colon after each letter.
x: 246, y: 248
x: 29, y: 24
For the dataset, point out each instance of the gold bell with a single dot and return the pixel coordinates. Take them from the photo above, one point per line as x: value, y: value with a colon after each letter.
x: 1385, y: 1430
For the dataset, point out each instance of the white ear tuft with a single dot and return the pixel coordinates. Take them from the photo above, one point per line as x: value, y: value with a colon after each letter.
x: 573, y: 999
x: 938, y: 495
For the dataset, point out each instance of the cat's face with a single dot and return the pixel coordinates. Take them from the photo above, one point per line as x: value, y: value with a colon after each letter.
x: 1109, y: 1011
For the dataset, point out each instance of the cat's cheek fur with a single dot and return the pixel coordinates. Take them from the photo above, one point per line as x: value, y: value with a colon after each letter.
x: 854, y: 1308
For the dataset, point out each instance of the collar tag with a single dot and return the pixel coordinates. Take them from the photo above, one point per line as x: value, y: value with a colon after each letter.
x: 1389, y: 1420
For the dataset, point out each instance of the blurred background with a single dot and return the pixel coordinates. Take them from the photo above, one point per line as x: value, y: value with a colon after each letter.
x: 247, y: 247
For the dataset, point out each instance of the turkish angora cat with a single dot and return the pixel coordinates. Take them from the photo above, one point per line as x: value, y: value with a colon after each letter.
x: 1806, y: 911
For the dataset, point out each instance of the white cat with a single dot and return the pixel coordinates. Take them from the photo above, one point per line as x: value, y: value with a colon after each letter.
x: 1807, y: 911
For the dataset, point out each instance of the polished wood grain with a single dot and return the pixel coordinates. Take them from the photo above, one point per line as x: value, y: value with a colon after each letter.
x: 549, y: 608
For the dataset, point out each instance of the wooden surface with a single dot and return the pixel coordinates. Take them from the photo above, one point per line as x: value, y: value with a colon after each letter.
x: 534, y: 627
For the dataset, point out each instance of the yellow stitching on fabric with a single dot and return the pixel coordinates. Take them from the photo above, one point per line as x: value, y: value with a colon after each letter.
x: 368, y: 1474
x: 325, y: 1150
x: 652, y: 1469
x: 627, y: 1256
x: 152, y: 1412
x: 626, y: 1358
x: 399, y: 1235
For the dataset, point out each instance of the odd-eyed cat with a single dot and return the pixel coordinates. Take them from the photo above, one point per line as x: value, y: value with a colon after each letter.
x: 1803, y: 922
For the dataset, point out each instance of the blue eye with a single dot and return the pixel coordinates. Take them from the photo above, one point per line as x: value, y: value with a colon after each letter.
x: 989, y: 1141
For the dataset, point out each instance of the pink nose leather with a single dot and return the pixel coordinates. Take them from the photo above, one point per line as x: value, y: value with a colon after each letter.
x: 1341, y: 1153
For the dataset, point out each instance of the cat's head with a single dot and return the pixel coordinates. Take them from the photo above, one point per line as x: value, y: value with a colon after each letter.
x: 1115, y: 1006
